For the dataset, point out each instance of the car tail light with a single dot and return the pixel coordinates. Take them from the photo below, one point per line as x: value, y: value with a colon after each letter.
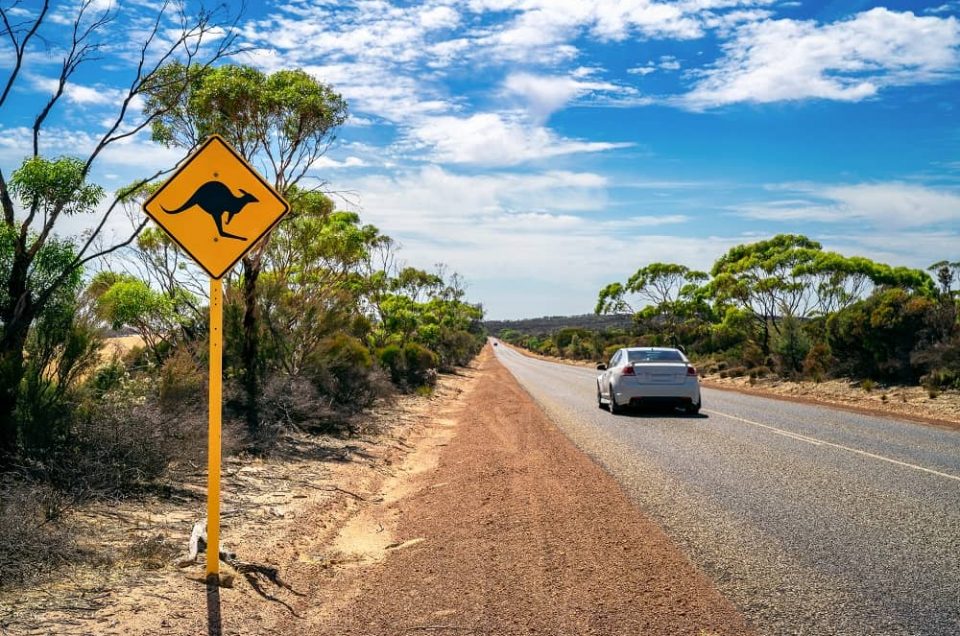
x: 691, y: 370
x: 628, y: 370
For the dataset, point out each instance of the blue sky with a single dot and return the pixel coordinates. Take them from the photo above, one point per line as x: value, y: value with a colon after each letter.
x: 543, y: 148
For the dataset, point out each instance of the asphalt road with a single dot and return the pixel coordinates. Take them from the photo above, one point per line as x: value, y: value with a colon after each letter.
x: 811, y: 520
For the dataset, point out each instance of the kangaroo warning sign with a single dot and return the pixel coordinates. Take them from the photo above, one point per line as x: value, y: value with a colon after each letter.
x: 216, y: 206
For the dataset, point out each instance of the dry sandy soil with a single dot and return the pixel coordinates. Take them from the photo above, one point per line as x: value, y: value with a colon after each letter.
x: 903, y: 402
x: 472, y: 514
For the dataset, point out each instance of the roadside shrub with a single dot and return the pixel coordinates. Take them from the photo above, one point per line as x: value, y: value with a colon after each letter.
x: 609, y: 351
x: 107, y: 377
x: 457, y: 349
x: 181, y: 380
x: 792, y: 345
x: 391, y: 360
x: 122, y: 440
x: 60, y: 350
x: 421, y: 365
x: 818, y: 361
x: 868, y: 385
x: 342, y: 371
x: 33, y: 538
x: 736, y: 372
x: 410, y: 366
x: 874, y: 338
x: 752, y: 355
x: 943, y: 363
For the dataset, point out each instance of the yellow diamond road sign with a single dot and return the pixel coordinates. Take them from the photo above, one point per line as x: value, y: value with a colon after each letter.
x: 216, y: 206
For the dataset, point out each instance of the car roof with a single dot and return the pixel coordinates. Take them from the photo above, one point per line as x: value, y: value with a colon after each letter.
x: 651, y: 349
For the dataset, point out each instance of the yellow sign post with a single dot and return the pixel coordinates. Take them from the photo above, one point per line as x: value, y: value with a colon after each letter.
x: 216, y: 207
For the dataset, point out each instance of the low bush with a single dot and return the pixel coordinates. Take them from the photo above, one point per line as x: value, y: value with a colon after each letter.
x: 181, y: 381
x: 33, y: 537
x: 120, y: 441
x: 343, y: 373
x: 409, y: 366
x: 818, y: 361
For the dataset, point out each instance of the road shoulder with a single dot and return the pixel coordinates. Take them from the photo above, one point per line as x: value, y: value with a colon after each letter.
x: 515, y: 531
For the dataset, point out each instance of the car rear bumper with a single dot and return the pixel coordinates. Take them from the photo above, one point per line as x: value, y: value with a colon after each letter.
x: 679, y: 394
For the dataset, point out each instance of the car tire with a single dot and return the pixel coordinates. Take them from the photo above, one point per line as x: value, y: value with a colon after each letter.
x: 693, y: 409
x: 600, y: 403
x: 615, y: 408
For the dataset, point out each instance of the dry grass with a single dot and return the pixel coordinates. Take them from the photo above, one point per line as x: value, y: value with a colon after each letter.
x: 911, y: 402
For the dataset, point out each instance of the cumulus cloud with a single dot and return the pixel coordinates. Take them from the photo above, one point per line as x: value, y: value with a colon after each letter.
x: 493, y: 139
x: 545, y: 94
x: 849, y: 60
x: 880, y: 205
x: 551, y: 225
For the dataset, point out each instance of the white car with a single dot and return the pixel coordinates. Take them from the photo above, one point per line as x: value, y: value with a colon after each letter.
x: 648, y: 375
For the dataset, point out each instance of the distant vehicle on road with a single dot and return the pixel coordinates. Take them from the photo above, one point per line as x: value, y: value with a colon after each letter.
x: 638, y: 376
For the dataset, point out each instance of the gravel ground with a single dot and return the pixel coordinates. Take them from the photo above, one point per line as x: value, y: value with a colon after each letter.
x: 515, y: 531
x: 812, y: 520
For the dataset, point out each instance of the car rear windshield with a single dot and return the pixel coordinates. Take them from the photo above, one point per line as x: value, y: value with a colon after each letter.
x: 654, y: 356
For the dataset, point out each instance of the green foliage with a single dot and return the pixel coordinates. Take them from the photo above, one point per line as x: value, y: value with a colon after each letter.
x: 62, y: 348
x: 792, y: 345
x: 59, y: 185
x: 874, y: 338
x: 342, y: 370
x: 286, y: 110
x: 129, y: 302
x: 821, y: 313
x: 410, y: 365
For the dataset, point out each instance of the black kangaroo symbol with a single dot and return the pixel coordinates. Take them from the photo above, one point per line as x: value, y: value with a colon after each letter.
x: 216, y: 199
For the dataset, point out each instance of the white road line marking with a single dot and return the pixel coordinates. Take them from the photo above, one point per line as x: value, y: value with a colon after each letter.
x: 820, y: 442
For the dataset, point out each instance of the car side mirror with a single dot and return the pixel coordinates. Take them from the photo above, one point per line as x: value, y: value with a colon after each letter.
x: 601, y: 367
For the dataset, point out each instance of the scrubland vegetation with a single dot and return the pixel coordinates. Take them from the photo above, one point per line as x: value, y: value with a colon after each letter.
x: 320, y: 321
x: 784, y: 306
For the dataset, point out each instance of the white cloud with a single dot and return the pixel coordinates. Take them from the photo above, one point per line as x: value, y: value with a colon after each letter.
x: 137, y: 156
x: 669, y: 63
x: 642, y: 70
x: 880, y: 205
x: 545, y: 94
x: 492, y: 139
x: 850, y: 60
x: 550, y: 226
x: 79, y: 94
x: 648, y: 221
x: 541, y: 30
x: 333, y: 164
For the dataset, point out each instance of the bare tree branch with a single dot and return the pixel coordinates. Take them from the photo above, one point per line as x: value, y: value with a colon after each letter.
x: 19, y: 47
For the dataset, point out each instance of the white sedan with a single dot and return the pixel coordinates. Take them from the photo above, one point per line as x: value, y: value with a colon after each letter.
x: 648, y: 375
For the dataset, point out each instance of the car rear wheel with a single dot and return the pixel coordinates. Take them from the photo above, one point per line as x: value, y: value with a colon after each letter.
x: 692, y: 409
x: 615, y: 408
x: 600, y: 403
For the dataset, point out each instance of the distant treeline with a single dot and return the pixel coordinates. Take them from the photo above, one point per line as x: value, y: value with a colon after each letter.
x: 779, y: 306
x: 551, y: 324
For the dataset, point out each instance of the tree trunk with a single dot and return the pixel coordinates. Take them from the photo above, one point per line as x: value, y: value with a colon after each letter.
x: 11, y: 374
x: 250, y: 352
x: 766, y: 336
x: 16, y: 317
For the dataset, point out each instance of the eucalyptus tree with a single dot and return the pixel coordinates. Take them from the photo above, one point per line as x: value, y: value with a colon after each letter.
x: 314, y: 280
x: 282, y: 123
x: 670, y: 294
x: 43, y: 192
